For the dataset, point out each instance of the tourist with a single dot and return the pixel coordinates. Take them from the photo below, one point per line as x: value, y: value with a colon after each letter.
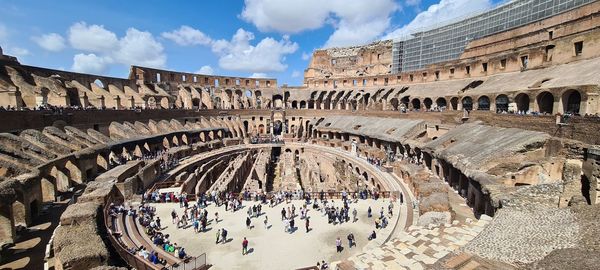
x: 248, y: 222
x: 307, y: 223
x: 372, y: 236
x: 245, y: 246
x: 224, y: 236
x: 351, y: 240
x: 174, y: 216
x: 181, y: 254
x: 292, y: 225
x: 338, y: 245
x: 354, y: 213
x: 196, y: 226
x: 369, y: 212
x: 391, y: 209
x: 286, y: 225
x: 283, y: 213
x: 218, y: 236
x: 266, y: 222
x: 216, y: 217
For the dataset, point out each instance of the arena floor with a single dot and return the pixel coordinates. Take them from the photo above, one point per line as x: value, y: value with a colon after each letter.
x: 273, y: 248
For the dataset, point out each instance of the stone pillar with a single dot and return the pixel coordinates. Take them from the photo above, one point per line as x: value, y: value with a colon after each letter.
x: 591, y: 173
x: 7, y: 225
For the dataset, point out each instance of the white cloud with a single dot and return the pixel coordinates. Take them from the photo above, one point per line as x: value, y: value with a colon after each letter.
x: 355, y: 22
x: 286, y: 16
x: 16, y: 51
x: 305, y: 56
x: 258, y: 75
x: 205, y: 70
x: 135, y: 48
x: 92, y: 38
x: 296, y: 74
x: 51, y: 42
x: 187, y: 36
x: 442, y: 12
x: 140, y: 48
x: 267, y: 55
x: 90, y: 63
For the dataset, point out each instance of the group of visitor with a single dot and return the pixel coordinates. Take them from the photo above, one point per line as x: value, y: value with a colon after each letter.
x: 145, y: 215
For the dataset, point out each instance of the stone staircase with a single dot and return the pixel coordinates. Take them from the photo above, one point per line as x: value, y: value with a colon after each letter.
x: 422, y: 248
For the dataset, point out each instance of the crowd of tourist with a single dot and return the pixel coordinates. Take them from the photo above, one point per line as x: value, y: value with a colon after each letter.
x: 196, y: 214
x: 167, y: 160
x: 145, y: 215
x: 265, y: 139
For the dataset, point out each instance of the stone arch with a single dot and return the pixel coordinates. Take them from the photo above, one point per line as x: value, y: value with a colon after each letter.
x: 441, y: 103
x: 545, y: 102
x: 454, y: 103
x: 100, y: 83
x: 48, y: 189
x: 416, y: 104
x: 427, y: 102
x: 467, y: 103
x: 522, y: 100
x: 483, y: 103
x: 572, y: 101
x: 502, y: 103
x: 395, y: 103
x: 277, y: 101
x: 294, y: 104
x: 302, y: 104
x: 74, y: 172
x: 196, y: 103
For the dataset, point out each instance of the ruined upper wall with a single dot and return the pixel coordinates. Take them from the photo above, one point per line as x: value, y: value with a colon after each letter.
x: 568, y: 37
x: 151, y: 75
x: 367, y: 60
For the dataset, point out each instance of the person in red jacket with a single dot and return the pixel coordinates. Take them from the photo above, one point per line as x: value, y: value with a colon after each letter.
x: 245, y: 246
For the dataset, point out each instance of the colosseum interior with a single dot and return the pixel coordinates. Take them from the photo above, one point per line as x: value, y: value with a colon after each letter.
x: 491, y: 159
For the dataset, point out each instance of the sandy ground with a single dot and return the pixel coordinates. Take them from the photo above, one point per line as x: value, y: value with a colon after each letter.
x: 273, y: 248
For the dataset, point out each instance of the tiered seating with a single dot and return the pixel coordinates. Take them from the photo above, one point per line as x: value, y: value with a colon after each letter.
x: 144, y: 240
x: 129, y: 241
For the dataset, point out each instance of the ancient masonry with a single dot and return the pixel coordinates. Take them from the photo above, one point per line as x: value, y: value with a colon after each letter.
x: 494, y: 150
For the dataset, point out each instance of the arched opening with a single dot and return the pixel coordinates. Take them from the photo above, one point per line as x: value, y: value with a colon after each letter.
x: 277, y: 101
x: 416, y: 103
x: 261, y: 129
x: 99, y: 83
x: 483, y: 103
x: 195, y: 103
x: 585, y: 189
x: 246, y: 126
x: 545, y: 102
x: 522, y: 101
x: 394, y: 102
x: 302, y: 104
x: 502, y: 103
x: 572, y: 102
x: 294, y: 104
x: 427, y: 102
x: 467, y: 103
x: 441, y: 103
x: 277, y: 128
x: 454, y: 103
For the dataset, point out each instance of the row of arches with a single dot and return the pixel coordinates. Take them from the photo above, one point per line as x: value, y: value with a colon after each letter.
x: 546, y: 102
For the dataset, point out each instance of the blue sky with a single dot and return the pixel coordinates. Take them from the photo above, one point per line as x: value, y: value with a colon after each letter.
x: 260, y: 38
